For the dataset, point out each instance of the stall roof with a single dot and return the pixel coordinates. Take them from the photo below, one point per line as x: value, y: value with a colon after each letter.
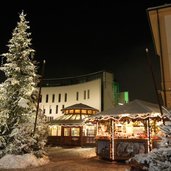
x: 132, y: 108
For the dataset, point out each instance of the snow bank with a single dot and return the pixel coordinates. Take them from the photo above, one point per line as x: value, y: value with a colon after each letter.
x: 22, y: 161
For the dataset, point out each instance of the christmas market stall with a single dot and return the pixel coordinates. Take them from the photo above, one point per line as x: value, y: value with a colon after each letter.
x: 70, y: 130
x: 127, y: 130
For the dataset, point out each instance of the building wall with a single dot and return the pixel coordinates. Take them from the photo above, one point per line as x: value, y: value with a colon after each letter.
x: 160, y: 24
x: 89, y: 93
x: 108, y: 99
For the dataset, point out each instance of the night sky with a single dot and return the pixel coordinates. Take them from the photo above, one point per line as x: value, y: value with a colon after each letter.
x: 81, y: 37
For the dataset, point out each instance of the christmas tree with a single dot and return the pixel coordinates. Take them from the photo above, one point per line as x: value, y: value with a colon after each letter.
x: 158, y: 159
x: 19, y: 97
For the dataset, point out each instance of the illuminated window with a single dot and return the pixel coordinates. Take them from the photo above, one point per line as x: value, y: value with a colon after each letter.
x: 89, y: 111
x: 66, y: 131
x: 90, y: 131
x: 75, y: 131
x: 77, y: 111
x: 59, y: 130
x: 71, y: 111
x: 83, y: 111
x: 94, y: 112
x: 53, y: 131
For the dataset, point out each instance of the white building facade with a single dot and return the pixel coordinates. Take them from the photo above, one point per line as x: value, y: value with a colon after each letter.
x: 95, y: 90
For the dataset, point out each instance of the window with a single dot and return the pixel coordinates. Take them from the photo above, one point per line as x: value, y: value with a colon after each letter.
x: 75, y: 131
x: 88, y: 94
x: 63, y: 106
x: 66, y: 131
x: 53, y: 98
x: 50, y: 118
x: 44, y: 111
x: 50, y: 110
x: 84, y: 94
x: 65, y: 97
x: 53, y: 131
x: 56, y: 109
x: 47, y: 97
x: 59, y: 98
x: 77, y: 96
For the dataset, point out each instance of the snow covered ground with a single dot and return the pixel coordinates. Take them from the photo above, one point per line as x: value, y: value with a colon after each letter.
x: 22, y: 161
x: 64, y: 159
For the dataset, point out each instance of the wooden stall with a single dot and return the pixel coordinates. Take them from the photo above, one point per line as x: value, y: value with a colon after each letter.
x: 70, y: 129
x: 127, y: 130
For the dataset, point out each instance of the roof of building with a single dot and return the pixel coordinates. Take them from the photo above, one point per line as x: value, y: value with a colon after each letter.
x: 72, y: 80
x: 74, y: 118
x: 79, y: 106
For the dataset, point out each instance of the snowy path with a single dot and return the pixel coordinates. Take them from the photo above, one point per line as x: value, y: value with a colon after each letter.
x: 75, y: 159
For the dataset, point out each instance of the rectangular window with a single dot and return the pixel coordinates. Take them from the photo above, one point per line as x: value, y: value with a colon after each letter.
x: 50, y: 110
x: 84, y: 94
x: 56, y: 109
x: 66, y: 131
x: 47, y: 97
x: 63, y: 106
x: 77, y: 95
x: 75, y: 131
x: 53, y: 98
x: 44, y: 111
x: 50, y: 118
x: 59, y: 98
x: 88, y: 94
x: 65, y: 97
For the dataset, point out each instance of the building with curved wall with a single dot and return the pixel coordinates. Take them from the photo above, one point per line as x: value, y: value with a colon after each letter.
x: 95, y: 90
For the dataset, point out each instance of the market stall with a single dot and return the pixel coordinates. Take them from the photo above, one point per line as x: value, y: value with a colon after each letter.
x: 127, y: 130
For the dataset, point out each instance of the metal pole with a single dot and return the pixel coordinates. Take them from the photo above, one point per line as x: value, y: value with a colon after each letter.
x: 154, y: 81
x: 38, y: 99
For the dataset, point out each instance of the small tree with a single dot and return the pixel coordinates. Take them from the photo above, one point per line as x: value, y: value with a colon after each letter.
x: 18, y: 97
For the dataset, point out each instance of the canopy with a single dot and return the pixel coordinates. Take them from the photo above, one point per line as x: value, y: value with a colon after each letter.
x: 134, y: 109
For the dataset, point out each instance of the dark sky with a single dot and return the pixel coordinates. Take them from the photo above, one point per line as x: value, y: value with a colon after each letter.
x: 81, y: 37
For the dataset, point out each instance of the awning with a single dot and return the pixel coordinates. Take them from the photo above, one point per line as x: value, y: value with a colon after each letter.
x: 134, y: 109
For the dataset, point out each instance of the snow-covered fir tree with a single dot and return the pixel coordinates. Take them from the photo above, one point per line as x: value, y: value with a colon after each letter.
x: 19, y: 97
x: 159, y: 159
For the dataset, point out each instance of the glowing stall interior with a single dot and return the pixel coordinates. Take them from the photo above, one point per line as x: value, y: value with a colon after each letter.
x: 127, y: 130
